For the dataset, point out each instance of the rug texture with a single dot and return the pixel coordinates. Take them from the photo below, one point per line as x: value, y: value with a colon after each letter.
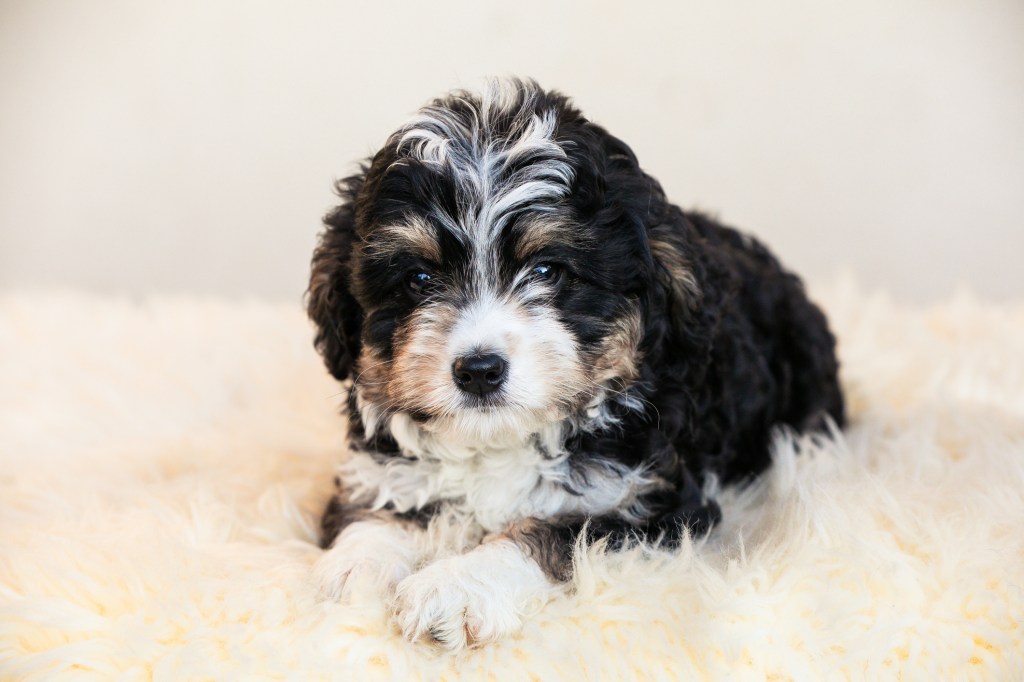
x: 163, y: 465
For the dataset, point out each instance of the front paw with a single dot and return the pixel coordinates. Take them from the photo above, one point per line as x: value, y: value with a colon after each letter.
x: 366, y: 557
x: 471, y: 599
x: 337, y: 576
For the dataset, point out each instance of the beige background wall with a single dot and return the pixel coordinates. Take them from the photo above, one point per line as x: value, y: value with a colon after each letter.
x: 189, y: 146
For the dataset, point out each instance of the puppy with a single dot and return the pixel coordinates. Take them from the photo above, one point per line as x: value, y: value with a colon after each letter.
x: 540, y: 346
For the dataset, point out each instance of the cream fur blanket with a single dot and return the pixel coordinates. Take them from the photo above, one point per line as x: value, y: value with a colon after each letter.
x: 163, y: 465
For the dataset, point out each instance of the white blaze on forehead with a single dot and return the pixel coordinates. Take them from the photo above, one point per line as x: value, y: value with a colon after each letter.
x: 465, y: 142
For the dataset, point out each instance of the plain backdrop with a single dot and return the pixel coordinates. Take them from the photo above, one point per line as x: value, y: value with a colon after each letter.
x: 190, y: 146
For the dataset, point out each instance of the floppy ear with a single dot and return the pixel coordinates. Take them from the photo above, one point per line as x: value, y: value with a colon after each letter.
x: 687, y: 291
x: 676, y: 270
x: 330, y: 302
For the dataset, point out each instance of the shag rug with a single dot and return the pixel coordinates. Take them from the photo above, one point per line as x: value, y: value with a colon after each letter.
x: 163, y: 465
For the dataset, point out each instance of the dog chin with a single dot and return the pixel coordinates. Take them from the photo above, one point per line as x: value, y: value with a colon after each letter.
x: 491, y: 424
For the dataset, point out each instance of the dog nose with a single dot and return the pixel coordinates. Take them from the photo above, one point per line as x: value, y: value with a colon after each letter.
x: 479, y: 374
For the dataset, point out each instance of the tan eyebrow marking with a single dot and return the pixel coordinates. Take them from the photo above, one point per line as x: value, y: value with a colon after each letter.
x: 416, y: 235
x: 535, y: 234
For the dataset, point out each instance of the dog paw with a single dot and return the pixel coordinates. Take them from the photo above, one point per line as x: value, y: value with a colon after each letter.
x: 337, y: 576
x: 371, y: 558
x: 471, y: 599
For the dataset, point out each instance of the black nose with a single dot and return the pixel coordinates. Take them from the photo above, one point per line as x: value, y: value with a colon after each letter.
x: 479, y: 374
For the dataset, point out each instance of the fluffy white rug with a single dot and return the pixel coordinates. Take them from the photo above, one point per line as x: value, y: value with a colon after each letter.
x: 163, y: 465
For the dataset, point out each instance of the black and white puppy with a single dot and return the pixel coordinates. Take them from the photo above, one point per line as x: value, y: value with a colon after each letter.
x: 540, y: 346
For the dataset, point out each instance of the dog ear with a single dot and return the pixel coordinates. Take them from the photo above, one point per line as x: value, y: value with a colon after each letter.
x: 676, y: 271
x: 687, y: 293
x: 330, y: 302
x: 668, y: 263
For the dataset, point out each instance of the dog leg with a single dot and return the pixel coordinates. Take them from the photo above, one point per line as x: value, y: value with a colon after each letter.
x: 377, y: 552
x: 472, y: 598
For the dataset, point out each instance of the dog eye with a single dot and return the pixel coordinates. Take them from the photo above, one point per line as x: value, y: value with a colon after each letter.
x: 545, y: 271
x: 419, y: 283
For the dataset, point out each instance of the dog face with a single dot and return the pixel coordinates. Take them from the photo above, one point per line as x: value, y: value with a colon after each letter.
x: 491, y: 271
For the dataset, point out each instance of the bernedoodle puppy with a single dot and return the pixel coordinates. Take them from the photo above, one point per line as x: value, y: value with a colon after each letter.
x: 540, y: 347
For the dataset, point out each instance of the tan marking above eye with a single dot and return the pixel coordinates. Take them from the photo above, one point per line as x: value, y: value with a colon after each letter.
x: 416, y: 236
x: 535, y: 234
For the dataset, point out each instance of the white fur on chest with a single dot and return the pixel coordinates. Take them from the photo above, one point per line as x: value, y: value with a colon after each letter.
x: 495, y: 485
